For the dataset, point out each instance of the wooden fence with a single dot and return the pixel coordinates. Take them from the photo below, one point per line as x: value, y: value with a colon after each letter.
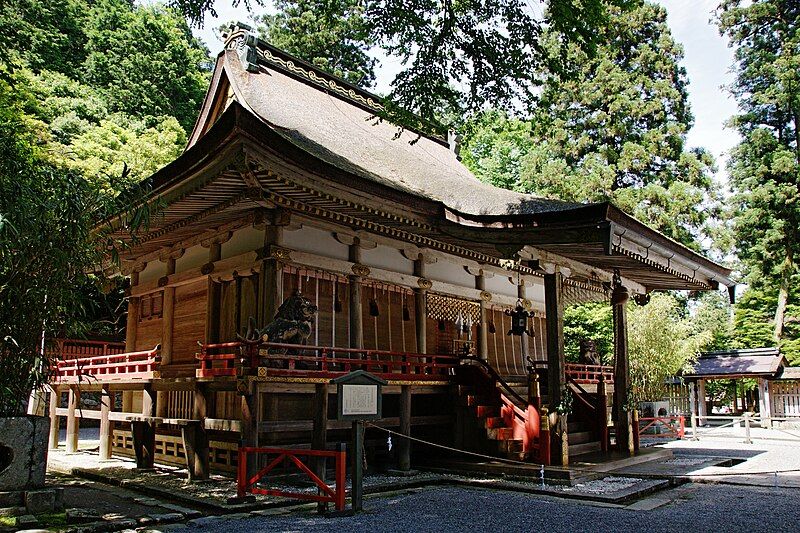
x: 784, y: 398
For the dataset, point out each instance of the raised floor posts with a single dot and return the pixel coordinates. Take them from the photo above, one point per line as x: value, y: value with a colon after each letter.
x: 319, y: 432
x: 404, y: 445
x: 72, y: 420
x: 195, y: 437
x: 106, y: 405
x: 55, y: 420
x: 557, y: 379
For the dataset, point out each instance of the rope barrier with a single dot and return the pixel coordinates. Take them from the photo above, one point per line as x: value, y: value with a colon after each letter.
x: 457, y: 450
x: 582, y: 470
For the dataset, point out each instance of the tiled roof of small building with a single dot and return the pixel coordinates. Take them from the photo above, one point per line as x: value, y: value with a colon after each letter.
x: 735, y: 363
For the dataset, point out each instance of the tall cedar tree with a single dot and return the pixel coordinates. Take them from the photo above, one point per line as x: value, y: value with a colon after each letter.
x: 459, y: 55
x: 332, y: 34
x: 616, y: 130
x: 764, y: 168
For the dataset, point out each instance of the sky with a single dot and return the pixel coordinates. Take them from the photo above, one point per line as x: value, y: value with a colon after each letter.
x: 707, y: 59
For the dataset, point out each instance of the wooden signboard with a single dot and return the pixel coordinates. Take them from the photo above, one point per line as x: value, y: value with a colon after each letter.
x: 359, y: 396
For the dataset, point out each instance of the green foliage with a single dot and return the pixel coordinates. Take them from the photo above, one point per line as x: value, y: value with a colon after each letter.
x: 45, y: 247
x: 123, y: 101
x: 145, y: 61
x: 589, y: 321
x: 45, y: 34
x: 613, y: 131
x: 497, y: 145
x: 764, y: 168
x: 711, y: 313
x: 661, y: 344
x: 332, y: 35
x: 754, y: 320
x: 118, y: 143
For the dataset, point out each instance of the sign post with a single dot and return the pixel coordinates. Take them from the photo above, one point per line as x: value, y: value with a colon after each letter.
x: 358, y: 399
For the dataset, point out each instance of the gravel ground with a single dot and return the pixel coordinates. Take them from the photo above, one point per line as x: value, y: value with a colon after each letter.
x: 691, y: 507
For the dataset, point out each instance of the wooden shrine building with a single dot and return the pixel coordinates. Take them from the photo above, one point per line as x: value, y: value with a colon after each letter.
x: 377, y: 250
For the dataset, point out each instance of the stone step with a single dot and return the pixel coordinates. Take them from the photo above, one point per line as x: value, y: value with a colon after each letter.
x: 580, y: 437
x: 500, y: 433
x: 584, y: 448
x: 509, y: 446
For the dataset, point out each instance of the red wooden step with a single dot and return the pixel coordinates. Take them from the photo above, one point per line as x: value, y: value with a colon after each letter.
x: 494, y: 422
x: 484, y: 411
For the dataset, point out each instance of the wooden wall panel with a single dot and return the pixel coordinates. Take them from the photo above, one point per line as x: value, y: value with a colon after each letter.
x: 148, y: 334
x: 190, y: 320
x: 248, y: 302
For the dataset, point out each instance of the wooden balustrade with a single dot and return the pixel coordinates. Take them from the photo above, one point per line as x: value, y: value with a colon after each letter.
x: 290, y: 360
x: 580, y: 373
x: 97, y: 361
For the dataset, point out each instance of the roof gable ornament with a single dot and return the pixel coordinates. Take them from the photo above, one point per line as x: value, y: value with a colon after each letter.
x: 244, y: 42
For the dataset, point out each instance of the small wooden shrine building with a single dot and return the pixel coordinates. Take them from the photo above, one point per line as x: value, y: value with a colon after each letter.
x: 293, y: 199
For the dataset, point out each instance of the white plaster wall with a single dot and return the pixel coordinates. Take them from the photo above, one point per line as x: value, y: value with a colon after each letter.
x: 535, y: 292
x: 194, y: 257
x: 449, y: 272
x: 387, y: 258
x: 153, y: 271
x: 316, y: 241
x: 243, y: 240
x: 499, y: 284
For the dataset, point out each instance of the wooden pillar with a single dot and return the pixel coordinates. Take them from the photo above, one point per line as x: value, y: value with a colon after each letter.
x: 556, y: 377
x: 55, y: 420
x: 354, y: 285
x: 195, y: 437
x: 271, y: 277
x: 404, y: 445
x: 524, y: 340
x: 72, y: 420
x: 130, y: 335
x: 106, y: 405
x: 622, y: 416
x: 421, y: 307
x: 764, y: 406
x: 319, y: 434
x: 145, y: 431
x: 214, y: 295
x: 602, y: 413
x: 483, y: 326
x: 702, y: 406
x: 167, y: 320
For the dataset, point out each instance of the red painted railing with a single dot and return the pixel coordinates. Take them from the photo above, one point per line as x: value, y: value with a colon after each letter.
x: 589, y: 373
x: 292, y: 360
x: 335, y: 494
x: 99, y: 361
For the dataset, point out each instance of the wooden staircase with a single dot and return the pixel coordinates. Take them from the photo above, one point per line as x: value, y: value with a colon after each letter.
x: 495, y: 417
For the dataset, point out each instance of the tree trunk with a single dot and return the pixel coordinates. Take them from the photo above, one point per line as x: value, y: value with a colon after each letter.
x: 783, y: 293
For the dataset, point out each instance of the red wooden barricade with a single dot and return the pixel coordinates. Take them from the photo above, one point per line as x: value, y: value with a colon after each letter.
x: 669, y: 426
x: 322, y: 361
x: 335, y: 495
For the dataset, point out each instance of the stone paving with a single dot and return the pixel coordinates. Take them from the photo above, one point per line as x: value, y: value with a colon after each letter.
x: 692, y: 507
